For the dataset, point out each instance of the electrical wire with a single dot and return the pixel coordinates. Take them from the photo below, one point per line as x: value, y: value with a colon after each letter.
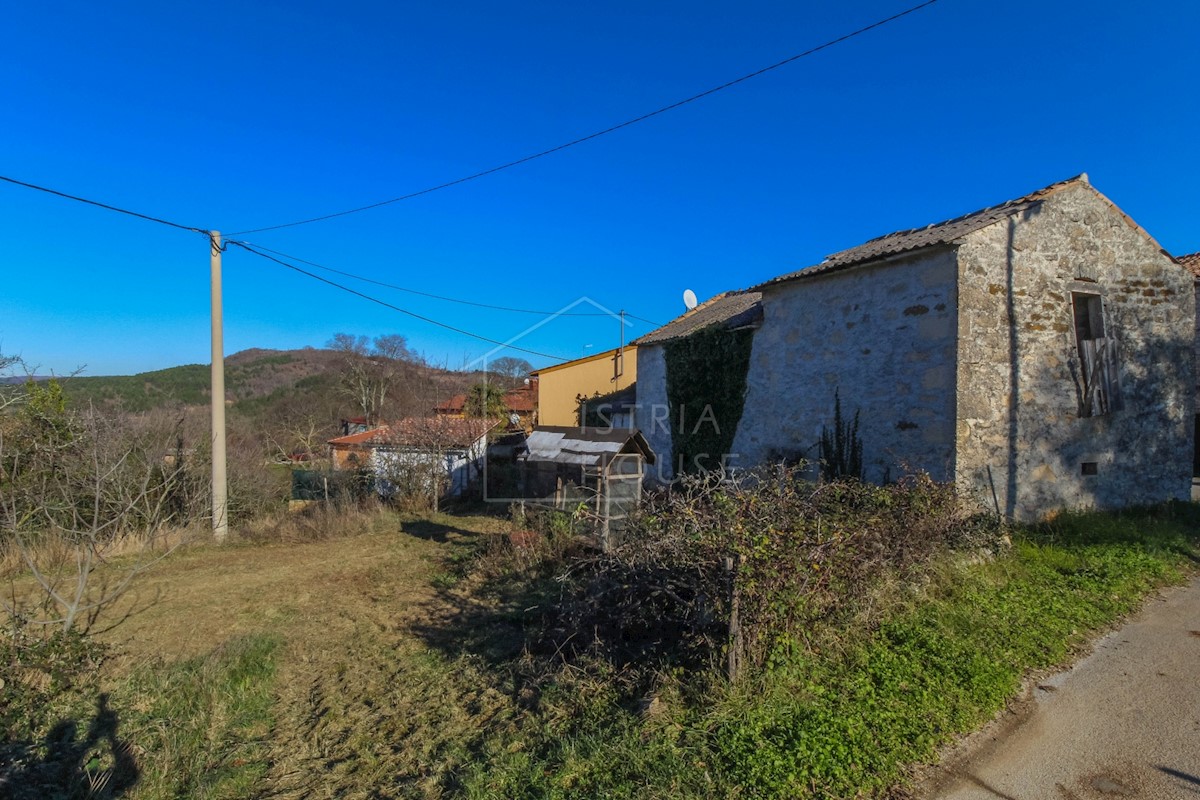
x: 597, y: 134
x: 105, y: 206
x: 255, y: 250
x: 438, y: 296
x: 252, y: 249
x: 643, y: 319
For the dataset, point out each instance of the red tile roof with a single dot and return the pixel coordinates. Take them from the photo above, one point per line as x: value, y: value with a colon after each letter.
x: 438, y: 431
x: 522, y: 401
x: 454, y: 405
x: 1192, y: 262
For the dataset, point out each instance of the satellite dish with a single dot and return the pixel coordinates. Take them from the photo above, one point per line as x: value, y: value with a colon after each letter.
x: 689, y: 299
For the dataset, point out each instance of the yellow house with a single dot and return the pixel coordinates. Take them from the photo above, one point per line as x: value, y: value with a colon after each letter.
x: 559, y: 386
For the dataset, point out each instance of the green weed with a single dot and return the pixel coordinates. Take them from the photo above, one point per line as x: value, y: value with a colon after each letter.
x: 205, y: 720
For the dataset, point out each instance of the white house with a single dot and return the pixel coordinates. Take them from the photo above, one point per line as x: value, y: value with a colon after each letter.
x: 417, y: 453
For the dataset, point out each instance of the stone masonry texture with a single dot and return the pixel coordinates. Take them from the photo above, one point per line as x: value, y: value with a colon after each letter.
x: 961, y: 361
x: 1021, y: 439
x: 883, y: 338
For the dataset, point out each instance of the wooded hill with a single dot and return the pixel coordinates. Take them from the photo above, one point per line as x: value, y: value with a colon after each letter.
x: 284, y: 400
x: 255, y: 380
x: 254, y: 374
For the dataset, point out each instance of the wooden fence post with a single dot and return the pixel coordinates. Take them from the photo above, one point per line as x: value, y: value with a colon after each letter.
x: 735, y: 643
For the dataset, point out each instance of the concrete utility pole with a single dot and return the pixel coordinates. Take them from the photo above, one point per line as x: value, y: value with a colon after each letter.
x: 219, y: 485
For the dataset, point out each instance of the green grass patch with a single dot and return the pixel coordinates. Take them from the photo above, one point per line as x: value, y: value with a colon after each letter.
x: 437, y: 695
x: 850, y: 724
x: 196, y: 728
x: 204, y: 720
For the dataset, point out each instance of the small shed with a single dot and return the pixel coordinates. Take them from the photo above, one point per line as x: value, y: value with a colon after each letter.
x: 599, y: 469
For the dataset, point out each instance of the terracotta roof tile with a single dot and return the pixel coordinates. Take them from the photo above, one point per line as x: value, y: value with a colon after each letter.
x: 454, y: 405
x: 522, y: 400
x: 440, y: 431
x: 1192, y: 262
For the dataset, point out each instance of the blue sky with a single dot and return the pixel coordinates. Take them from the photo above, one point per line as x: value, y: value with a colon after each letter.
x: 242, y: 115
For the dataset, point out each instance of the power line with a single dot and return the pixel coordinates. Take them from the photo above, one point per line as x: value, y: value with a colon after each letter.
x: 385, y: 304
x: 600, y: 133
x: 254, y: 249
x: 103, y: 205
x: 437, y: 296
x: 643, y: 319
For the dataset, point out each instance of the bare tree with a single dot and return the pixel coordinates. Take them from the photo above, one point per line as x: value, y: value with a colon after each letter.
x: 512, y: 370
x: 372, y: 369
x: 73, y: 487
x: 10, y: 391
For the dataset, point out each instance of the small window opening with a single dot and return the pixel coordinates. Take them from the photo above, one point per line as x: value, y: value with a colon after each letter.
x: 1090, y: 468
x: 1101, y: 391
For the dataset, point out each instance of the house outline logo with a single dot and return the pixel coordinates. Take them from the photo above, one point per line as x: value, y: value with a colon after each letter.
x: 508, y: 343
x: 486, y: 357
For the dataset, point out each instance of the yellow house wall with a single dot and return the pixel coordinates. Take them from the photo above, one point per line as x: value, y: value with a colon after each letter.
x: 559, y: 386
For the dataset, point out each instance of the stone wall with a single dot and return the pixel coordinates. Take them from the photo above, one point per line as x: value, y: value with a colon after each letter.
x: 651, y: 414
x: 1023, y: 444
x: 1196, y: 359
x: 883, y: 336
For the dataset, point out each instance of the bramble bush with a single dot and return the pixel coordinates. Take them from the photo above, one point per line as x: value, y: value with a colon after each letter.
x: 741, y: 572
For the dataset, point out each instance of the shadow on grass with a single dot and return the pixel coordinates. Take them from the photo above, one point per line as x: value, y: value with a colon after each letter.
x: 476, y: 612
x: 434, y: 531
x: 97, y: 765
x: 1171, y: 527
x: 491, y: 619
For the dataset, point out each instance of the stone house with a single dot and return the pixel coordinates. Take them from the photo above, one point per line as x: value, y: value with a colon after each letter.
x: 1191, y: 262
x: 1039, y: 353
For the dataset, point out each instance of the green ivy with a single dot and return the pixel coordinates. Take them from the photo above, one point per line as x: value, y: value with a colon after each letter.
x: 706, y: 393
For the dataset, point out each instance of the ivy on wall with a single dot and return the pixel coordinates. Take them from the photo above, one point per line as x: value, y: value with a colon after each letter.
x: 706, y: 392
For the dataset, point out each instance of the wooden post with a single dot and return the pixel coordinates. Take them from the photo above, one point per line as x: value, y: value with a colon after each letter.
x: 523, y: 485
x: 735, y: 642
x: 606, y: 514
